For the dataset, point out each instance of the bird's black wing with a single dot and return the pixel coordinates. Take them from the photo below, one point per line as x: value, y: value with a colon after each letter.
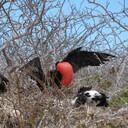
x: 3, y: 82
x: 33, y: 69
x: 79, y: 59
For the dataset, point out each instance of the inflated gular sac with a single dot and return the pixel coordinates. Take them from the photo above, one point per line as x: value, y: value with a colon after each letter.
x: 66, y: 71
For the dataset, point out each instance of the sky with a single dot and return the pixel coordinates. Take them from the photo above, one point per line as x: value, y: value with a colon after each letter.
x: 113, y: 6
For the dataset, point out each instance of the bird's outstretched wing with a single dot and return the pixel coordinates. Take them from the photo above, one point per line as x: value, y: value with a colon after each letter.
x: 76, y: 58
x: 79, y: 59
x: 3, y: 82
x: 33, y: 69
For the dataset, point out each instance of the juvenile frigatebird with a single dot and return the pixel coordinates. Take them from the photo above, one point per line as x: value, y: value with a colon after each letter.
x: 86, y: 95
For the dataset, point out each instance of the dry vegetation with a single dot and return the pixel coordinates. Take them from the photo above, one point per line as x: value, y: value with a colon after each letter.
x: 30, y: 28
x: 53, y: 108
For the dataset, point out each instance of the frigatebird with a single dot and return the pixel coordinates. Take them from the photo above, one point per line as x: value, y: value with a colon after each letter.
x: 86, y: 95
x: 64, y: 72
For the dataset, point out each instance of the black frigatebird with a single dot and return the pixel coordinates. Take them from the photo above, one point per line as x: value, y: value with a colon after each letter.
x: 64, y: 72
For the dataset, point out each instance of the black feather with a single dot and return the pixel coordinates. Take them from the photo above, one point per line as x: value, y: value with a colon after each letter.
x: 84, y: 89
x: 3, y: 82
x: 79, y: 59
x: 33, y: 69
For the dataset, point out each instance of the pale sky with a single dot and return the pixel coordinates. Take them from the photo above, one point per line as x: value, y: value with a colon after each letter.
x: 113, y: 6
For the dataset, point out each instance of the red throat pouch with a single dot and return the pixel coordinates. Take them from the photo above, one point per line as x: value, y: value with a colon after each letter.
x: 66, y: 71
